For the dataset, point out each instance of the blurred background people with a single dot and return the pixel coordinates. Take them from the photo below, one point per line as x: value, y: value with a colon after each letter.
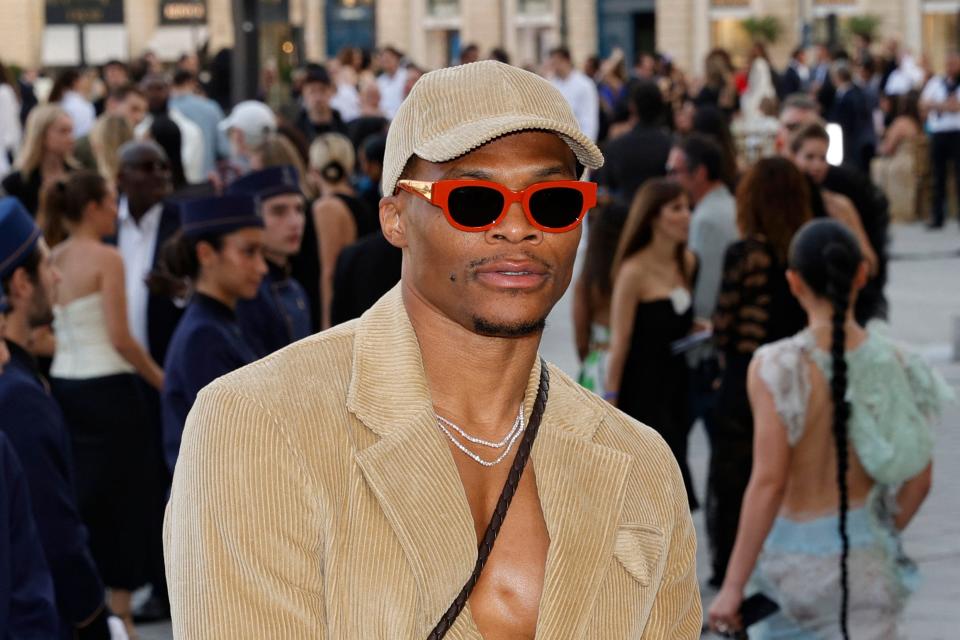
x: 93, y: 380
x: 940, y: 100
x: 578, y: 90
x: 650, y: 310
x: 185, y: 98
x: 895, y: 169
x: 70, y: 91
x: 10, y: 129
x: 45, y: 157
x: 754, y: 307
x: 216, y: 260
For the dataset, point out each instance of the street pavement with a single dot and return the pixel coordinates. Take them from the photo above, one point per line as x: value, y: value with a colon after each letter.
x: 924, y: 296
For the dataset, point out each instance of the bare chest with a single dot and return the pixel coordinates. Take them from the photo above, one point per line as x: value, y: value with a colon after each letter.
x: 506, y: 601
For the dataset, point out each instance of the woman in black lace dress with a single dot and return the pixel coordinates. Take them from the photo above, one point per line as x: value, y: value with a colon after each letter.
x: 651, y: 309
x: 754, y: 307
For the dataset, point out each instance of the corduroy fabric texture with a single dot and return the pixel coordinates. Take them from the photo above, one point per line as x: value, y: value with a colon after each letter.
x: 452, y: 111
x: 314, y: 497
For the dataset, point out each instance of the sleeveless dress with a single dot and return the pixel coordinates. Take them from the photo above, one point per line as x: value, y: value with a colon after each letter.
x: 653, y: 388
x: 894, y: 397
x: 101, y: 400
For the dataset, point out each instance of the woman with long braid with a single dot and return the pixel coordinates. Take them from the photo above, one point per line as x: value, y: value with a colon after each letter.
x: 842, y: 461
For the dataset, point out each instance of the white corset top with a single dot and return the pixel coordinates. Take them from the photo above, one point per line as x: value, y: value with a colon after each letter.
x: 84, y: 349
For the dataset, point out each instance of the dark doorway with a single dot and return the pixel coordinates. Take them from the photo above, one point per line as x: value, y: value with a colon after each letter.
x: 644, y: 32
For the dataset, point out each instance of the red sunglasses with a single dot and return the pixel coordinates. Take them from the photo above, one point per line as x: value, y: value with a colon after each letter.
x: 478, y: 205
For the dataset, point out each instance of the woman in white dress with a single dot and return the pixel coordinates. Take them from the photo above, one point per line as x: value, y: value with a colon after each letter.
x: 93, y: 379
x: 842, y: 462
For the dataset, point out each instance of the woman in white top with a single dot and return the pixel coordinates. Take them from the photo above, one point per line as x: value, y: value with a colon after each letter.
x: 69, y: 90
x: 93, y: 377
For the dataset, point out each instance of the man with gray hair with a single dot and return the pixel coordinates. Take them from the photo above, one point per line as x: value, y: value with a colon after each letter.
x: 349, y: 486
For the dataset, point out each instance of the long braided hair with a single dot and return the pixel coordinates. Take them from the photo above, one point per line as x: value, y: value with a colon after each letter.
x: 827, y: 255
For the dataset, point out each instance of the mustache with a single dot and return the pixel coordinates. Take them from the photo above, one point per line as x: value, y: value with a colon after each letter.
x: 480, y: 262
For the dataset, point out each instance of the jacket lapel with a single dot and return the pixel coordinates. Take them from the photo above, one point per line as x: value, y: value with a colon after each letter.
x: 408, y: 466
x: 581, y: 486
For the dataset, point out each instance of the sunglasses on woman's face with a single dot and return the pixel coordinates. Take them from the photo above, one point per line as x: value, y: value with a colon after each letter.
x: 478, y: 205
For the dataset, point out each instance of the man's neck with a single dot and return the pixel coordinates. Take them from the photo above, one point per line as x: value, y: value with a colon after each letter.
x: 139, y: 209
x: 217, y: 293
x: 476, y: 381
x: 17, y: 330
x: 322, y: 115
x: 703, y: 191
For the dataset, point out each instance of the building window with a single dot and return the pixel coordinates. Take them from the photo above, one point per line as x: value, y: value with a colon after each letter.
x: 533, y: 7
x: 941, y: 33
x: 443, y: 8
x: 729, y: 34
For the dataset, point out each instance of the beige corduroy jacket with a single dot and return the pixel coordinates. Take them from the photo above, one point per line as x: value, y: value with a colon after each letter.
x: 315, y: 498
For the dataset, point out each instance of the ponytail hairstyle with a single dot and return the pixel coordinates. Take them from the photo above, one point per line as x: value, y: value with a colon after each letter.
x: 63, y: 202
x: 827, y: 256
x: 178, y: 266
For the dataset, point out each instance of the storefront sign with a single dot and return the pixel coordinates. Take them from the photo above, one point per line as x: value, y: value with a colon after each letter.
x: 84, y: 12
x: 183, y: 11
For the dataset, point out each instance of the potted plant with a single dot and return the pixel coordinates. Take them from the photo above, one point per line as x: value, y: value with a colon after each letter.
x: 865, y: 26
x: 766, y: 29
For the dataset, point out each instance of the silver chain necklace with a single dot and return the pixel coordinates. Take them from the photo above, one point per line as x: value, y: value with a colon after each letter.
x: 508, y: 440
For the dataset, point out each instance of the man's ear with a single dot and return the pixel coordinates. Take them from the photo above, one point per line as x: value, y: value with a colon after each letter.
x: 797, y: 286
x: 392, y: 222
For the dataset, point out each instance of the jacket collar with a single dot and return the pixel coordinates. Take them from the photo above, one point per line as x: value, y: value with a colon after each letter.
x: 410, y: 469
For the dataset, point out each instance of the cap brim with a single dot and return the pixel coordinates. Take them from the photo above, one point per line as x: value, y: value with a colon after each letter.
x: 470, y: 135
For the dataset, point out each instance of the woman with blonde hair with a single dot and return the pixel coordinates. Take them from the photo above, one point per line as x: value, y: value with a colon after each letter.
x: 45, y: 157
x: 340, y: 217
x: 109, y: 133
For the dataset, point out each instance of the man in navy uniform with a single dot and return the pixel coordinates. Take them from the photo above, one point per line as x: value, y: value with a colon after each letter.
x: 33, y: 423
x: 280, y: 314
x: 26, y: 589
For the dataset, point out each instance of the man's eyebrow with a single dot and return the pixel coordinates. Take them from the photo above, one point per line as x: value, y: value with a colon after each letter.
x: 482, y: 174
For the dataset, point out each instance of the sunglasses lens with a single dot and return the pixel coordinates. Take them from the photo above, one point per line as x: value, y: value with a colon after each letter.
x: 475, y: 206
x: 556, y: 207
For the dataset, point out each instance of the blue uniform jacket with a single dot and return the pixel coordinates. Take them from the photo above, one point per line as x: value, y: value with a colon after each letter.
x: 207, y: 344
x: 278, y: 316
x: 27, y: 608
x: 31, y: 419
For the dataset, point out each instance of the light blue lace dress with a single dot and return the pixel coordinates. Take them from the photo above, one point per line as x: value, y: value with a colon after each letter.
x: 894, y: 397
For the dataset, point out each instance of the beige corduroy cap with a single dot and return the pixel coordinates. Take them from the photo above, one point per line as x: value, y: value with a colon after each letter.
x: 452, y: 111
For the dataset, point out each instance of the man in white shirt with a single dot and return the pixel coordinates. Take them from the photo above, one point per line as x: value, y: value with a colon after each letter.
x: 145, y: 222
x: 941, y: 102
x: 392, y: 81
x: 578, y: 90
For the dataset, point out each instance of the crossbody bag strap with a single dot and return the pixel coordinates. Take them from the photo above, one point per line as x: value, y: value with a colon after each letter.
x: 503, y: 503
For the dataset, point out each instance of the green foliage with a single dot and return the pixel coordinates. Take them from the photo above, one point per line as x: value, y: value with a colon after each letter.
x: 766, y: 28
x: 864, y: 25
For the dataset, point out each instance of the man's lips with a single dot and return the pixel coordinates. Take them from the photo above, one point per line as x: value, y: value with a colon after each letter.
x: 512, y: 274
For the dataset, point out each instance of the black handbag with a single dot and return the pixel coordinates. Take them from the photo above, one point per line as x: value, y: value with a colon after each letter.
x: 500, y: 511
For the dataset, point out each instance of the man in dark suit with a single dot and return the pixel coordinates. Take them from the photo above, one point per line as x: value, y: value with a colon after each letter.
x: 850, y: 111
x: 641, y: 153
x: 796, y: 77
x: 145, y: 222
x: 31, y: 419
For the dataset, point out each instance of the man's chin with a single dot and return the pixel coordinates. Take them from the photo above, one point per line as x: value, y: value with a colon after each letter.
x: 508, y: 328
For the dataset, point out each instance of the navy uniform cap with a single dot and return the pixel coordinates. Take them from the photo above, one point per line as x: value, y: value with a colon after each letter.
x: 218, y: 215
x: 266, y: 183
x: 18, y: 235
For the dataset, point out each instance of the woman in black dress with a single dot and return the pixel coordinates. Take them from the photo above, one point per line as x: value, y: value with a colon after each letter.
x: 651, y: 309
x: 754, y: 307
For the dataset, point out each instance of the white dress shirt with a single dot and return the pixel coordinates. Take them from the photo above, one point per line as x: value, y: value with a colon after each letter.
x: 9, y: 126
x: 940, y: 121
x: 137, y: 244
x: 391, y: 91
x: 580, y: 93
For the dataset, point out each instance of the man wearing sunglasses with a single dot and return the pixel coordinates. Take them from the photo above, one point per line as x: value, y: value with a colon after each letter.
x: 342, y: 487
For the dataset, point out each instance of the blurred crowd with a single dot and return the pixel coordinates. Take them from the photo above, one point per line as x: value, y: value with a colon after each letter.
x: 156, y: 235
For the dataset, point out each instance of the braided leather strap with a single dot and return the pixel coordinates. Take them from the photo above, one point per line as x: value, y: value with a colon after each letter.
x: 500, y: 511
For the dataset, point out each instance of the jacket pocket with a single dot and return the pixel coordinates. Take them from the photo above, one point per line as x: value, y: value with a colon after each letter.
x: 639, y: 548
